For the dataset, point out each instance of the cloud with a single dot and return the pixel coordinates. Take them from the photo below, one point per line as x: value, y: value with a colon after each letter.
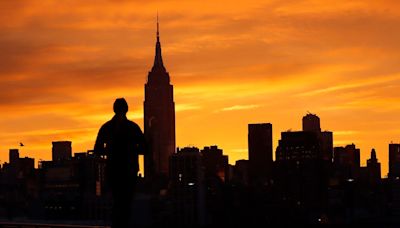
x: 344, y: 142
x: 346, y: 133
x: 362, y: 85
x: 240, y: 150
x: 239, y: 107
x: 186, y: 107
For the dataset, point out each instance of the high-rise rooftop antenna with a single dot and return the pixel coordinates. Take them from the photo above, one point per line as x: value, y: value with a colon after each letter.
x: 158, y: 28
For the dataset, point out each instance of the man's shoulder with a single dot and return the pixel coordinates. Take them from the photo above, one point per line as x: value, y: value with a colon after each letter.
x: 134, y: 127
x: 107, y: 125
x: 133, y: 124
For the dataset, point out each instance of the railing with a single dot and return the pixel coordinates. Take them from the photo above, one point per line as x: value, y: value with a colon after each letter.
x: 44, y: 225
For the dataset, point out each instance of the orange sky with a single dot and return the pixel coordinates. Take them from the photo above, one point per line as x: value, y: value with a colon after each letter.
x: 62, y: 64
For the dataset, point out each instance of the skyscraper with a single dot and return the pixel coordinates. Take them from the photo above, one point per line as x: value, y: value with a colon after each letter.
x: 159, y: 117
x: 260, y: 152
x: 61, y: 150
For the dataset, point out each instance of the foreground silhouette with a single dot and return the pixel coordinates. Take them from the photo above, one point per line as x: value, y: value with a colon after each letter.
x: 121, y: 140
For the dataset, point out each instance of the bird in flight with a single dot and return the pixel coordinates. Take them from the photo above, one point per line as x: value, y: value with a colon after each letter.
x: 21, y: 144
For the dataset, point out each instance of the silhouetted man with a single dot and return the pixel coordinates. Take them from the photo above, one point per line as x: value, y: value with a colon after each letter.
x: 121, y: 140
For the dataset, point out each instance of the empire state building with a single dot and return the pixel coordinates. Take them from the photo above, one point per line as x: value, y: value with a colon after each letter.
x: 159, y: 117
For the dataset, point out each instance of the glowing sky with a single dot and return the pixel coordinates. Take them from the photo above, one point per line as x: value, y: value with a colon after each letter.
x: 62, y: 64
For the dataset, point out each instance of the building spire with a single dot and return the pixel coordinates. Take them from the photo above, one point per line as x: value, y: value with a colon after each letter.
x: 158, y: 62
x: 373, y: 154
x: 158, y: 30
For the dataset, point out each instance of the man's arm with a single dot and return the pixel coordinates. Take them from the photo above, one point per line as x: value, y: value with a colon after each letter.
x: 100, y: 141
x: 141, y: 145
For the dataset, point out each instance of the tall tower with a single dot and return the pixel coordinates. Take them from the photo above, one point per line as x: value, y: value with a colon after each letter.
x: 260, y: 152
x: 159, y: 117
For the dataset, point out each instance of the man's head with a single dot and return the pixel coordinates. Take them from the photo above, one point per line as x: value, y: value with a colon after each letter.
x: 120, y: 106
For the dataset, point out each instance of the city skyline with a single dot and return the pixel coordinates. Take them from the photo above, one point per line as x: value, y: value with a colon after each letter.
x: 57, y: 84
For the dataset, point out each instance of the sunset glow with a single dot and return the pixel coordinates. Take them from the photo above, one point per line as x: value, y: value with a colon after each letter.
x: 63, y: 63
